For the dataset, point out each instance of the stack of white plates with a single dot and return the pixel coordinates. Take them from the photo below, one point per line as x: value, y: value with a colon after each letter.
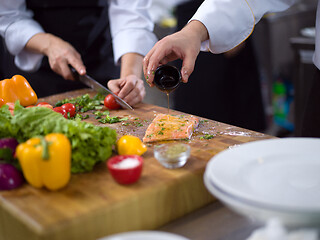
x: 275, y: 178
x: 145, y: 235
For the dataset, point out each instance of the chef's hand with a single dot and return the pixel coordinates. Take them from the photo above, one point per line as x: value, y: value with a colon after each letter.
x: 130, y: 89
x: 59, y: 52
x: 184, y: 45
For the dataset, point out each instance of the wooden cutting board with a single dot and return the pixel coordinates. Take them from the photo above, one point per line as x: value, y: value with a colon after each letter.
x: 93, y: 205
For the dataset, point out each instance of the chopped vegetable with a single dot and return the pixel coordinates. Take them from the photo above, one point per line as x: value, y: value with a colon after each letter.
x: 84, y: 103
x: 99, y: 114
x: 107, y: 118
x: 81, y: 117
x: 10, y: 177
x: 138, y: 124
x: 90, y: 144
x: 17, y: 88
x: 45, y: 161
x: 207, y: 136
x: 130, y: 145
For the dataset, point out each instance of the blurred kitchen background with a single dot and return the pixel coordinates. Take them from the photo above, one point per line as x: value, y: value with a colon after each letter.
x: 283, y: 45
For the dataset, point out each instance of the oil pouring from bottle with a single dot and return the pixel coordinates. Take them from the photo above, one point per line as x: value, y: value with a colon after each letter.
x: 167, y: 78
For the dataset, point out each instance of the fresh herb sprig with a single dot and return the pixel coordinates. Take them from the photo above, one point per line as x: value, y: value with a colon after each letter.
x: 80, y: 117
x: 84, y: 103
x: 107, y: 118
x: 100, y: 114
x: 207, y: 136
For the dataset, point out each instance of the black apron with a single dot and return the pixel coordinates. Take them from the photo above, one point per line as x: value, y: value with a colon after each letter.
x: 82, y: 23
x: 220, y: 88
x: 311, y: 114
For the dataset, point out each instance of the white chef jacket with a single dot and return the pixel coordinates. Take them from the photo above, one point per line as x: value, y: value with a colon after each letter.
x: 130, y: 24
x: 230, y: 22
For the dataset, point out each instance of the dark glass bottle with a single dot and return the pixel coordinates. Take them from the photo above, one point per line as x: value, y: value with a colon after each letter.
x: 167, y: 78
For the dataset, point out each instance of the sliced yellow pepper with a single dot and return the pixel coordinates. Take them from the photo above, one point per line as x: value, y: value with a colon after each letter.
x: 130, y: 145
x: 17, y: 88
x: 46, y: 162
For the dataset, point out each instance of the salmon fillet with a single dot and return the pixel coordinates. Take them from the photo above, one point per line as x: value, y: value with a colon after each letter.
x: 170, y: 127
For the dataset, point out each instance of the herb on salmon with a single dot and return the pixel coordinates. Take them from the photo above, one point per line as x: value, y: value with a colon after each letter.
x: 170, y: 127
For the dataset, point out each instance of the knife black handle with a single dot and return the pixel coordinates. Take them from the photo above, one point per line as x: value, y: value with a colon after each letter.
x: 74, y: 73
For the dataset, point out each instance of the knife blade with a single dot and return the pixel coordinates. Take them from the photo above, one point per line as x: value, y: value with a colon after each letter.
x: 90, y: 82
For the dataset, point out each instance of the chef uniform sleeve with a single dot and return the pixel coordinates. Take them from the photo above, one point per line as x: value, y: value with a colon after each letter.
x: 231, y: 22
x: 16, y: 28
x: 131, y: 27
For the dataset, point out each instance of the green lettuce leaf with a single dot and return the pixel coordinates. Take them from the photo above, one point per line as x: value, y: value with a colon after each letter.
x: 90, y: 144
x: 5, y: 122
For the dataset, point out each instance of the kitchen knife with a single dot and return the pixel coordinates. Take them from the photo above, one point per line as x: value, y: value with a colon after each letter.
x: 90, y: 82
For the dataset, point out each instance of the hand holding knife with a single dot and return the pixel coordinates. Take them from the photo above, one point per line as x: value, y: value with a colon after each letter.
x: 90, y: 82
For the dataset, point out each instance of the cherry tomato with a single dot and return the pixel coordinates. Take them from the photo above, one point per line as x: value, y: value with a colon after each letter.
x: 61, y: 110
x: 110, y: 102
x: 11, y: 105
x: 2, y: 102
x: 70, y: 108
x: 44, y: 104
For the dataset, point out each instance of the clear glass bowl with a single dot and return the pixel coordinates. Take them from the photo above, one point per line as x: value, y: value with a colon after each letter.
x: 172, y: 155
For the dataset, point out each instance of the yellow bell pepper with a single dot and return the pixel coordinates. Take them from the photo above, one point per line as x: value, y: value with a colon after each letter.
x: 17, y: 88
x: 130, y: 145
x: 46, y: 161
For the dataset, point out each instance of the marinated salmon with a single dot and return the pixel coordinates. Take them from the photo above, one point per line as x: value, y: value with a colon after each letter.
x: 170, y: 127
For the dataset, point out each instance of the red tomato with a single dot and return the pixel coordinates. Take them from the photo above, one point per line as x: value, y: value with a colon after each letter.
x: 11, y: 105
x: 2, y: 102
x: 44, y: 104
x: 110, y: 102
x: 70, y: 108
x: 61, y: 110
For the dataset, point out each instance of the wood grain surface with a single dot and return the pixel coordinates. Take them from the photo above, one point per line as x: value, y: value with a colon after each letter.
x: 93, y: 205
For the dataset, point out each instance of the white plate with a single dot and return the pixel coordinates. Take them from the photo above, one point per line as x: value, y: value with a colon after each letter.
x: 145, y: 235
x: 269, y: 178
